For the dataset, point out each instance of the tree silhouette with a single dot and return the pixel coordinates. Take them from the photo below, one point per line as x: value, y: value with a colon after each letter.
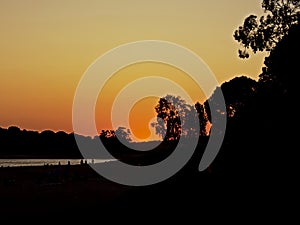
x: 123, y: 134
x: 214, y: 101
x: 237, y: 93
x: 264, y: 33
x: 107, y: 134
x: 173, y: 113
x: 203, y: 118
x: 282, y: 66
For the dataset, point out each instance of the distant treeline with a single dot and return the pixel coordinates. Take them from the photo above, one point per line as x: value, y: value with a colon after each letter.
x: 21, y: 143
x: 17, y: 143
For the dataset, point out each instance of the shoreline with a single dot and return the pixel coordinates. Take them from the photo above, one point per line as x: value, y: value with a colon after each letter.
x: 48, y: 161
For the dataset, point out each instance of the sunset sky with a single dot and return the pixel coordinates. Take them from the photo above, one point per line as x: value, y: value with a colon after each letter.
x: 46, y: 46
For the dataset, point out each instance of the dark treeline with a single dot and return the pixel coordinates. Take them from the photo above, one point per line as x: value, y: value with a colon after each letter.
x: 17, y: 143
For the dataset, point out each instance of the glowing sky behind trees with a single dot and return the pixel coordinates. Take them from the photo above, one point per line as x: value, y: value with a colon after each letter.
x: 46, y: 46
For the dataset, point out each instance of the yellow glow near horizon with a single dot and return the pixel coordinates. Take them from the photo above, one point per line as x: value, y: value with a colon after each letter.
x: 47, y: 45
x: 138, y: 125
x: 131, y: 73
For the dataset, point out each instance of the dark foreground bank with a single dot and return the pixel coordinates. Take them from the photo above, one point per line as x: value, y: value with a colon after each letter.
x: 78, y: 191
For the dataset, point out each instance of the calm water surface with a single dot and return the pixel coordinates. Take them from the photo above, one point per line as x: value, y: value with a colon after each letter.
x: 41, y: 162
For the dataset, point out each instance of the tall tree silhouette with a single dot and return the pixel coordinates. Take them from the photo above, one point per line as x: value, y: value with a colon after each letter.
x: 172, y: 114
x: 203, y: 118
x: 264, y: 33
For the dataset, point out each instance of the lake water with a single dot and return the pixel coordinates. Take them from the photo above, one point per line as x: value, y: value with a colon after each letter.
x: 42, y: 162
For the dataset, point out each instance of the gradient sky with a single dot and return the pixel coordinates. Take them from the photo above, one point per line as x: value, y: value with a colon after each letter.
x: 46, y: 46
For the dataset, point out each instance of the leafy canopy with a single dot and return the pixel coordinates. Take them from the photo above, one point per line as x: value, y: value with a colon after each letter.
x: 262, y: 34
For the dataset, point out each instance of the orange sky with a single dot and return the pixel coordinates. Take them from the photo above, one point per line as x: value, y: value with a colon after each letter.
x: 46, y: 46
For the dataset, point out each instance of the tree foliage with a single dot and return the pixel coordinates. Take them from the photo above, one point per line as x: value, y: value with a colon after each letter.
x: 121, y: 133
x: 173, y: 113
x: 282, y: 66
x: 237, y: 93
x: 203, y: 118
x: 263, y: 34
